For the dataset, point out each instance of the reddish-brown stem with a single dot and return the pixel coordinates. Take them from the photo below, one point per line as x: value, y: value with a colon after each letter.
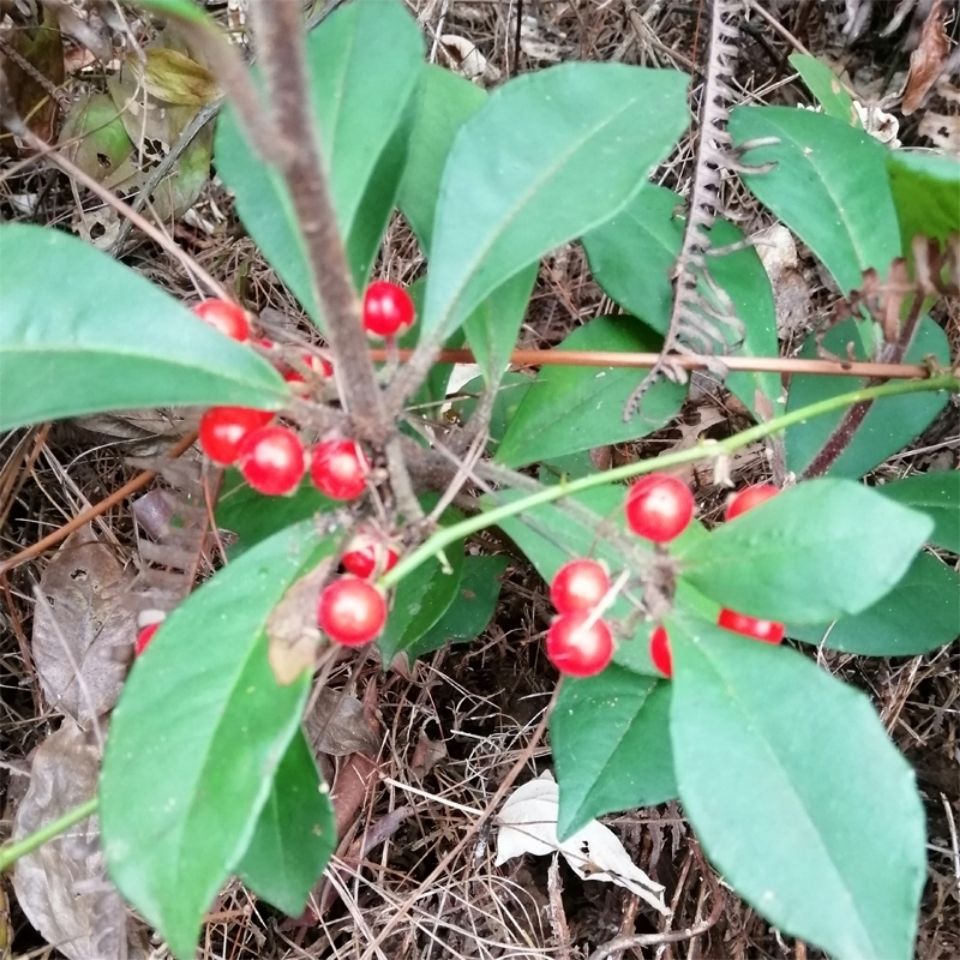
x: 52, y: 539
x: 599, y: 358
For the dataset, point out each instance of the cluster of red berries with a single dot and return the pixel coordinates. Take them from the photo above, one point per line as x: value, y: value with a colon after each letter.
x: 768, y: 631
x: 659, y: 508
x: 271, y: 457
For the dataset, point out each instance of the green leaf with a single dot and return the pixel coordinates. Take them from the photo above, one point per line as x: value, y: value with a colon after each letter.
x: 471, y: 610
x: 521, y: 177
x: 365, y: 61
x: 196, y: 738
x: 921, y: 613
x: 444, y: 102
x: 103, y: 338
x: 611, y: 746
x: 295, y: 834
x: 181, y: 9
x: 633, y: 254
x: 421, y: 599
x: 797, y: 794
x: 253, y: 517
x: 829, y: 186
x: 811, y: 554
x: 925, y: 189
x: 889, y: 425
x: 575, y: 408
x: 511, y: 391
x: 937, y: 494
x: 826, y: 88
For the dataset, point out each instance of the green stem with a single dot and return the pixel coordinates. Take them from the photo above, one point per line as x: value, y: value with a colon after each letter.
x: 10, y: 853
x: 705, y: 450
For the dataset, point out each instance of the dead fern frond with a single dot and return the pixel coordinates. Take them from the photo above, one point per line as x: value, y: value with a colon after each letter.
x: 703, y: 318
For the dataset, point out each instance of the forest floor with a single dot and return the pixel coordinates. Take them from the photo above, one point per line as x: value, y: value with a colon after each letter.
x: 457, y: 723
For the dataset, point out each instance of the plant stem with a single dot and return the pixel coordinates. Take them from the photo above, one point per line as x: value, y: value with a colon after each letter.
x: 704, y: 450
x: 10, y: 853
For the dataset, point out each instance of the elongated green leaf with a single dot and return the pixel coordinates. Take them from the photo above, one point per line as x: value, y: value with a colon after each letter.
x: 611, y: 746
x: 295, y: 833
x: 633, y: 254
x: 889, y: 425
x: 444, y: 102
x: 252, y: 517
x: 825, y: 86
x: 829, y: 186
x: 365, y: 61
x: 421, y: 599
x: 522, y: 179
x: 921, y: 613
x: 196, y: 738
x: 510, y: 394
x: 937, y: 494
x: 797, y: 794
x: 182, y: 9
x: 102, y: 338
x: 925, y: 190
x: 575, y: 408
x: 471, y: 610
x: 813, y: 553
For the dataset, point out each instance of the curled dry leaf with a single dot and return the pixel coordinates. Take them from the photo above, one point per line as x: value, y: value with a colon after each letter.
x: 62, y: 887
x: 927, y: 61
x: 466, y: 58
x: 528, y: 824
x: 338, y: 726
x: 82, y: 630
x: 292, y: 627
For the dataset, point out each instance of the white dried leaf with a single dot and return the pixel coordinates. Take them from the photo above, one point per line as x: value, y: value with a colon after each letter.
x: 62, y: 887
x: 528, y: 824
x: 467, y: 58
x: 83, y: 630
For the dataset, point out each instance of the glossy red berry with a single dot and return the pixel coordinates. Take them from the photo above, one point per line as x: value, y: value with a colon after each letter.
x: 144, y: 637
x: 226, y: 317
x: 339, y: 469
x: 222, y: 430
x: 659, y: 507
x: 387, y: 309
x: 579, y: 586
x: 271, y: 460
x: 769, y: 631
x: 748, y: 498
x: 660, y: 651
x: 351, y: 611
x: 369, y: 555
x: 576, y: 649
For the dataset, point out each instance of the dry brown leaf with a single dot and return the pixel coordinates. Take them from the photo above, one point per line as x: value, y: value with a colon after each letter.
x: 83, y: 631
x: 427, y: 754
x: 337, y: 726
x: 62, y: 887
x: 292, y: 627
x: 926, y: 62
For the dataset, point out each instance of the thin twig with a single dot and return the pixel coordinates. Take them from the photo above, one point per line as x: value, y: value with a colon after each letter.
x: 600, y: 358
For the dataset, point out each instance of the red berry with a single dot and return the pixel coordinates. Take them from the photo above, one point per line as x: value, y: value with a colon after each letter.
x: 351, y: 611
x: 387, y: 309
x: 368, y: 554
x: 339, y: 469
x: 144, y: 637
x: 660, y: 651
x: 576, y: 649
x: 769, y: 631
x: 579, y: 586
x: 271, y: 460
x: 659, y: 507
x: 226, y: 317
x: 222, y: 430
x: 748, y: 498
x: 321, y: 368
